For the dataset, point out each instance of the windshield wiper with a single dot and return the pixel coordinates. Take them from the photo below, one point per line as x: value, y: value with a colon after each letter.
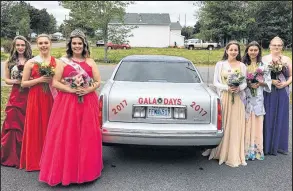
x: 195, y: 75
x: 190, y: 69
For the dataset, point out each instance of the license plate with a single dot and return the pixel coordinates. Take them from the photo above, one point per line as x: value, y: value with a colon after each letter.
x: 159, y: 112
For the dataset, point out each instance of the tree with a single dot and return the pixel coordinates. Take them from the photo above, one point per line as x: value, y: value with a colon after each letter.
x: 52, y: 26
x: 12, y: 23
x: 22, y: 18
x: 253, y: 20
x: 120, y: 33
x: 7, y: 29
x: 196, y: 28
x: 95, y: 15
x: 187, y: 32
x: 224, y: 20
x: 272, y: 18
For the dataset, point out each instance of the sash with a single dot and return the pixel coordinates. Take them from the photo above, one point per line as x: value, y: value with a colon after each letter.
x: 53, y: 90
x: 77, y: 67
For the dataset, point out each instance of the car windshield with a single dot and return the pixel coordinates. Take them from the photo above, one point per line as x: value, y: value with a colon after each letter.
x: 138, y: 71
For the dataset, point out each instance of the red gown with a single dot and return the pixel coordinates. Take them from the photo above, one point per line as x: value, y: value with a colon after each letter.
x: 72, y: 151
x: 12, y: 129
x: 39, y: 106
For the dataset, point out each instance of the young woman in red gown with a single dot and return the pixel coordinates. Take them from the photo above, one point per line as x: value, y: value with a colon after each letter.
x: 39, y: 106
x: 12, y: 129
x: 72, y: 151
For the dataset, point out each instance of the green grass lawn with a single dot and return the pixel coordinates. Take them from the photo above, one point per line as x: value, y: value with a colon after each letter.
x: 5, y: 92
x: 198, y: 57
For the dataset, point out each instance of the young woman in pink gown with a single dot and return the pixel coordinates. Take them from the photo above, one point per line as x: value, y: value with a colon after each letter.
x: 72, y: 151
x: 12, y: 129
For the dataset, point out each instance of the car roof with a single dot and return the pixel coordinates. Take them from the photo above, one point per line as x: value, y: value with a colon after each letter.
x: 158, y: 58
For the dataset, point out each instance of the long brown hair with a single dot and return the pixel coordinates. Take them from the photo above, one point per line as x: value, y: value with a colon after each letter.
x: 246, y: 59
x: 13, y: 57
x: 86, y: 51
x: 225, y: 56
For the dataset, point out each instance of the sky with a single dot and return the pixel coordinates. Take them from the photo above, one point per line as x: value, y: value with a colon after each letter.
x: 176, y: 9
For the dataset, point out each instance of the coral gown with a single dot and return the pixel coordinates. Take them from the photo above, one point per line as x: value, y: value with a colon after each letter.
x: 72, y: 151
x: 39, y: 106
x: 12, y: 129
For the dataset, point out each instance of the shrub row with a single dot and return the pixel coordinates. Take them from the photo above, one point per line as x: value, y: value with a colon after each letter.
x: 198, y: 57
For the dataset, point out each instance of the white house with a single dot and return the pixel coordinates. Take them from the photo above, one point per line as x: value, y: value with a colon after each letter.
x: 152, y: 30
x: 175, y: 35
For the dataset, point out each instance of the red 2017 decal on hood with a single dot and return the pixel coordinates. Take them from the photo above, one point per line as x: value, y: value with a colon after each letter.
x: 165, y: 101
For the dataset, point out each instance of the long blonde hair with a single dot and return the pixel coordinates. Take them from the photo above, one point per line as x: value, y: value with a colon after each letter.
x: 13, y: 57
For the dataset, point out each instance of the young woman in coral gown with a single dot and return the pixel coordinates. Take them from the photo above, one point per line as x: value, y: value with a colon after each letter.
x: 12, y: 129
x: 73, y: 147
x: 40, y: 103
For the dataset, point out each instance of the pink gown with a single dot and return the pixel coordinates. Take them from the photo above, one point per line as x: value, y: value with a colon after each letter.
x: 72, y: 151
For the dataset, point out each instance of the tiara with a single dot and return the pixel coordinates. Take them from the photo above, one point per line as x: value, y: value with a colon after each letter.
x: 77, y: 32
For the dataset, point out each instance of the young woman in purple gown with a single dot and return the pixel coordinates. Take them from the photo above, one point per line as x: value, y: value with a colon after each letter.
x: 276, y: 121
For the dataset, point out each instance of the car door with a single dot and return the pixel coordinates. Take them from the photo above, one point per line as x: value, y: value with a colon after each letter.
x: 197, y: 43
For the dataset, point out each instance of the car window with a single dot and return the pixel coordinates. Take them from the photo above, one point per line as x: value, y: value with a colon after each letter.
x: 148, y: 71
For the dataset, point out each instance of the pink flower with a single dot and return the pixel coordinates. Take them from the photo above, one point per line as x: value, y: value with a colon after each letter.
x: 259, y: 71
x: 250, y: 76
x: 259, y: 78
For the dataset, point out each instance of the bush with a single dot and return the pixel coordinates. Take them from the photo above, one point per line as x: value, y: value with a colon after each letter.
x: 198, y: 57
x: 4, y: 56
x: 6, y: 44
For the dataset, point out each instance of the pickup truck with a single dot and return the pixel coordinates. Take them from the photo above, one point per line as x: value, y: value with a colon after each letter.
x: 199, y: 44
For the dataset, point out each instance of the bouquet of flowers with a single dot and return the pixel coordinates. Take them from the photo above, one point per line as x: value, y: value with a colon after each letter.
x: 254, y: 77
x: 46, y: 70
x: 235, y: 79
x: 16, y: 73
x: 276, y: 66
x: 78, y: 80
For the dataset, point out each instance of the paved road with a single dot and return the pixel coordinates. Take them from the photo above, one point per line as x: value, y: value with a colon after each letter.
x: 168, y: 169
x: 159, y: 169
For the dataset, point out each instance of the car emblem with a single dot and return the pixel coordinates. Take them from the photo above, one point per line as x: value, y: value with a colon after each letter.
x: 160, y: 100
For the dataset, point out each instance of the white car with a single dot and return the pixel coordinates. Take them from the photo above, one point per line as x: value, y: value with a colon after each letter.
x: 159, y: 100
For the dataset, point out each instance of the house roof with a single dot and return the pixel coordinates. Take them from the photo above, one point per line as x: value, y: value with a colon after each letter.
x: 145, y: 19
x: 175, y: 26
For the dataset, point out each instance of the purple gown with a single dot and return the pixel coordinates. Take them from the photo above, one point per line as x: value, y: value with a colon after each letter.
x: 276, y: 120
